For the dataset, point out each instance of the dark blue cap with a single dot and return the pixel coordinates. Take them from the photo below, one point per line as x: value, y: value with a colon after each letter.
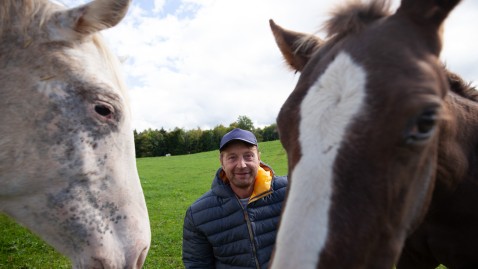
x: 238, y: 134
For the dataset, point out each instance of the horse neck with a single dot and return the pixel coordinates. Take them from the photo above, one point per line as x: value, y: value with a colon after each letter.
x: 458, y: 139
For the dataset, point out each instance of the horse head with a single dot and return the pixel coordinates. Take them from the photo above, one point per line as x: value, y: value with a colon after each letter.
x: 360, y: 132
x: 67, y: 159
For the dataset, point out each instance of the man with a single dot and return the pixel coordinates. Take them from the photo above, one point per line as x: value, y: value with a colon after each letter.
x: 234, y: 224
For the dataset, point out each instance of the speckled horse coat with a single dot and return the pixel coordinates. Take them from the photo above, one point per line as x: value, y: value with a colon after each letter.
x: 67, y: 164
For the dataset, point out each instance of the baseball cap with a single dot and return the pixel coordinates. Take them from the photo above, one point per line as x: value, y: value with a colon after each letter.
x: 238, y: 134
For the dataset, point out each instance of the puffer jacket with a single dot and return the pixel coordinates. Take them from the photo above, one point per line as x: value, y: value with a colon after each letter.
x: 220, y: 233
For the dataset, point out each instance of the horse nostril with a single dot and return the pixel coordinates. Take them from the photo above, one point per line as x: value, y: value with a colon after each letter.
x: 98, y: 263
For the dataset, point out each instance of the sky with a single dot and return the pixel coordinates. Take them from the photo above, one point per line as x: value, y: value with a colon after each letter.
x: 201, y: 63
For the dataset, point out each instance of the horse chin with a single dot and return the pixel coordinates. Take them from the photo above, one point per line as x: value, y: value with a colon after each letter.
x: 110, y: 258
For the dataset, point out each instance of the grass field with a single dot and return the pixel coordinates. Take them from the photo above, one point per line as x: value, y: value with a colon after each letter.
x: 170, y: 185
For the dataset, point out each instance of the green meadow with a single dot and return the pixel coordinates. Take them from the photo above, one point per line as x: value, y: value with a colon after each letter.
x: 170, y: 185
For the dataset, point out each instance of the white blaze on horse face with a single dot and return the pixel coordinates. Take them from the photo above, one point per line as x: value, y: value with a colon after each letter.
x: 327, y: 109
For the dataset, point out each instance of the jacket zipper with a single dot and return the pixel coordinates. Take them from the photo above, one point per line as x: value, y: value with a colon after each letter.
x: 251, y: 236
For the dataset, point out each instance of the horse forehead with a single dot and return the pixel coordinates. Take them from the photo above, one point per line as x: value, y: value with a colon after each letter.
x: 57, y: 70
x: 331, y: 103
x: 399, y: 61
x: 86, y: 60
x: 57, y: 74
x: 63, y: 83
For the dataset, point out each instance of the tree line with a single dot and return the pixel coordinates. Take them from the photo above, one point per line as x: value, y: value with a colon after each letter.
x: 154, y: 143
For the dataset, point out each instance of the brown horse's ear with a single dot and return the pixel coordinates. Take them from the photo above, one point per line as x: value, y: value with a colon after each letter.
x: 87, y: 19
x: 428, y: 14
x: 432, y: 11
x: 297, y: 48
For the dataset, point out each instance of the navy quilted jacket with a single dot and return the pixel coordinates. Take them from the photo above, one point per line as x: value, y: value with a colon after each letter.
x: 219, y: 233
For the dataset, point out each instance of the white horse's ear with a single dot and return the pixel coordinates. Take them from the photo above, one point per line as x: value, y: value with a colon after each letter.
x: 87, y: 19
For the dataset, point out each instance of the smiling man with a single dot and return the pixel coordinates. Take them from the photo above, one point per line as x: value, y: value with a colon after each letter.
x: 234, y: 224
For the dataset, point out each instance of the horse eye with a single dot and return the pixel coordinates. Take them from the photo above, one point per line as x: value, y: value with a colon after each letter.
x: 426, y: 122
x: 104, y: 110
x: 423, y: 126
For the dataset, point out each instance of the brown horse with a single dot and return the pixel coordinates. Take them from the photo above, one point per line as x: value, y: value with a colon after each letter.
x: 369, y: 130
x: 449, y: 233
x: 67, y: 164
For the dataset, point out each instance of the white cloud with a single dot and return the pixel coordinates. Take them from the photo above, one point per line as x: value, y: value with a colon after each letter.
x: 158, y: 6
x: 210, y: 68
x: 208, y: 61
x: 459, y: 46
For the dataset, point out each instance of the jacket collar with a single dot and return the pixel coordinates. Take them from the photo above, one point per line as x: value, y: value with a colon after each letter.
x: 262, y: 185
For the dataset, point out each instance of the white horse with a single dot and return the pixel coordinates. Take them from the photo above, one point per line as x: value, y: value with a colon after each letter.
x: 67, y: 163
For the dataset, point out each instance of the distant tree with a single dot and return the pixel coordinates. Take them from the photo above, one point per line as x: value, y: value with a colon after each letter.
x: 207, y: 141
x: 158, y: 141
x: 192, y: 140
x: 150, y: 142
x: 269, y: 133
x: 258, y: 133
x: 245, y: 123
x: 219, y: 131
x: 137, y: 143
x: 232, y: 125
x: 176, y: 141
x: 144, y: 144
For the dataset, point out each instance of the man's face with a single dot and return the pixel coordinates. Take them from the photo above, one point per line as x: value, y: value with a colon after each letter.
x: 240, y: 162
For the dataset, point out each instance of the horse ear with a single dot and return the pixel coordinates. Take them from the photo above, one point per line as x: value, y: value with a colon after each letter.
x: 297, y: 48
x: 429, y: 15
x: 89, y: 18
x: 431, y: 11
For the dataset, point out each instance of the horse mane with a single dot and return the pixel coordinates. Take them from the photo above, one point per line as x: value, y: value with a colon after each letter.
x: 452, y: 162
x: 354, y: 15
x: 348, y: 18
x: 21, y: 14
x: 460, y: 87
